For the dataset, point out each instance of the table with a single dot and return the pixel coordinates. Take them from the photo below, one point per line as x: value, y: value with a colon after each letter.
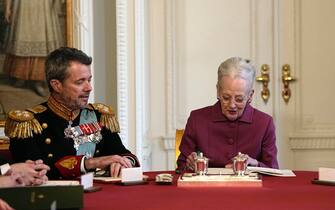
x: 276, y: 193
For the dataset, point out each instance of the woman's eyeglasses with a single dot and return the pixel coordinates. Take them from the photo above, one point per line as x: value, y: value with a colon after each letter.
x: 238, y: 100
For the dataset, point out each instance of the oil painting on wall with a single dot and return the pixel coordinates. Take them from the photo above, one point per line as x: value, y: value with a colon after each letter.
x: 29, y: 30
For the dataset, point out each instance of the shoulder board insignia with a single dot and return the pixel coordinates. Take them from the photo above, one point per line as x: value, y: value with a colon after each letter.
x: 20, y: 115
x: 21, y: 124
x: 102, y: 108
x: 108, y: 118
x: 37, y: 109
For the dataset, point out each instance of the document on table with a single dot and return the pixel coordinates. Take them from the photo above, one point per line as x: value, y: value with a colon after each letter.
x: 61, y: 183
x: 107, y: 179
x: 272, y: 171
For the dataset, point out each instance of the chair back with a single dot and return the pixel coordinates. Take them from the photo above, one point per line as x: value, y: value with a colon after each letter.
x: 179, y: 136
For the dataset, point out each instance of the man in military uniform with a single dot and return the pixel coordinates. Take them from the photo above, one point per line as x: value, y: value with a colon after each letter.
x: 67, y: 133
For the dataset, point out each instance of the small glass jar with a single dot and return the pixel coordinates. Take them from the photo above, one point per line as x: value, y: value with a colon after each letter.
x: 201, y: 164
x: 240, y: 164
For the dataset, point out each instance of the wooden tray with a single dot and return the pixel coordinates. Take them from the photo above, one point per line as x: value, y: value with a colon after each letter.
x: 220, y: 181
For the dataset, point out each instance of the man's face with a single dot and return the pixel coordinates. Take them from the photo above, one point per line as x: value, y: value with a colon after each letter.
x: 75, y: 89
x: 234, y: 96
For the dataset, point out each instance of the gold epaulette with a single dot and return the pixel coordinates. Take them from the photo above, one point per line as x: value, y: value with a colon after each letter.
x: 108, y: 118
x: 37, y: 109
x: 22, y: 124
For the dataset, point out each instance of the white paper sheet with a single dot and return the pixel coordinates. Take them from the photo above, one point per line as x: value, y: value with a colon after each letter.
x: 87, y: 180
x: 272, y: 171
x: 131, y: 174
x: 327, y: 174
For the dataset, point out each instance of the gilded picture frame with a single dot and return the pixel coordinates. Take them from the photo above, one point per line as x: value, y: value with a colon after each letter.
x: 67, y: 31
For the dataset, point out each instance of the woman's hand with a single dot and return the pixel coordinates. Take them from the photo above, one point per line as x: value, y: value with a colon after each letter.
x: 190, y: 161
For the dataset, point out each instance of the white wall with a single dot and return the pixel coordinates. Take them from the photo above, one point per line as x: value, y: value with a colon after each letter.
x: 189, y: 40
x: 183, y: 43
x: 104, y: 38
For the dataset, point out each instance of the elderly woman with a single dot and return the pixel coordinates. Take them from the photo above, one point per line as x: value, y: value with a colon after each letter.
x: 231, y: 125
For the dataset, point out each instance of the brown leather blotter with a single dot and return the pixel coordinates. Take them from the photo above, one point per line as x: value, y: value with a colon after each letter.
x: 220, y: 181
x: 43, y: 197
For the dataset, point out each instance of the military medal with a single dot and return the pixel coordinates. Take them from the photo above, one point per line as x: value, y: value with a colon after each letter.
x: 70, y: 124
x: 88, y: 132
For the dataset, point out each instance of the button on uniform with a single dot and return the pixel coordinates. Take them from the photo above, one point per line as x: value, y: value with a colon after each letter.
x: 50, y: 155
x: 47, y: 141
x: 44, y: 125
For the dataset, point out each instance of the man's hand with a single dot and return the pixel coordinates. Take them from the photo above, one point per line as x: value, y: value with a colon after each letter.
x: 33, y: 172
x: 12, y: 180
x: 115, y: 168
x: 115, y: 162
x: 190, y: 161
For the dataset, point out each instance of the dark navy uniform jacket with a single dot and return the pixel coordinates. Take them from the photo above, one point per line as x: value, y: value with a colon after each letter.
x: 51, y: 145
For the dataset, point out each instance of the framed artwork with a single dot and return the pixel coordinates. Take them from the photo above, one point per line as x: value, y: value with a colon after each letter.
x: 22, y: 62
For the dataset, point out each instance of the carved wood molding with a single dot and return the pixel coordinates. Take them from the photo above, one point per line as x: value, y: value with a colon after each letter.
x: 169, y: 143
x: 122, y: 68
x: 302, y: 142
x: 171, y: 92
x: 169, y: 147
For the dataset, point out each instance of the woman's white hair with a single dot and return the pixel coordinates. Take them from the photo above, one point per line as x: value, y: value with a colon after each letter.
x: 237, y: 67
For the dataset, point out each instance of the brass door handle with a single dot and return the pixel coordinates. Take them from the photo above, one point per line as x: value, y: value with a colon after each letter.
x: 287, y: 78
x: 265, y: 79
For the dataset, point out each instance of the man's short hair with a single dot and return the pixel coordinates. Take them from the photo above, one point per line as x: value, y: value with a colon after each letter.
x: 59, y: 60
